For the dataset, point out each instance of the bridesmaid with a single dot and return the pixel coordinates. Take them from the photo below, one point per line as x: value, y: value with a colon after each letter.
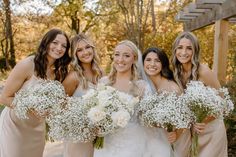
x: 185, y: 61
x: 26, y: 138
x: 161, y: 79
x: 84, y: 75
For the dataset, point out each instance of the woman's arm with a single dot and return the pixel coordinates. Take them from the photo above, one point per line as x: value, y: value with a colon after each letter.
x: 70, y: 83
x: 19, y: 74
x: 208, y: 77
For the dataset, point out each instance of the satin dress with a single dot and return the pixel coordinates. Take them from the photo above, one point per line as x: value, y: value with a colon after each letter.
x: 212, y: 143
x: 79, y: 149
x: 21, y: 138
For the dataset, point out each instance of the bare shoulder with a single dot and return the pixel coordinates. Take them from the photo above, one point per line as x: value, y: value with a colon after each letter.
x: 204, y: 70
x: 71, y: 78
x: 24, y: 67
x: 174, y: 87
x: 27, y: 63
x: 208, y: 77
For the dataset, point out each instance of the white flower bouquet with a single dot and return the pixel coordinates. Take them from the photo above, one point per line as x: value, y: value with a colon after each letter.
x: 41, y: 98
x: 71, y: 122
x: 205, y: 101
x: 112, y: 110
x: 164, y: 110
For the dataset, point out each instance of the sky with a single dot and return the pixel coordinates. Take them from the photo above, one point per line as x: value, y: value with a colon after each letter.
x: 35, y: 6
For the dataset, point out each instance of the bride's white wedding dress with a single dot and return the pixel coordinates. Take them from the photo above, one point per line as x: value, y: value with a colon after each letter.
x: 135, y: 140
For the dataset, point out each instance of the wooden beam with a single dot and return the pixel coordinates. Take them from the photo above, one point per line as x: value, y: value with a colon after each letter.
x: 207, y: 6
x: 210, y: 1
x: 192, y: 8
x: 221, y: 49
x: 181, y: 16
x: 232, y: 20
x: 226, y: 10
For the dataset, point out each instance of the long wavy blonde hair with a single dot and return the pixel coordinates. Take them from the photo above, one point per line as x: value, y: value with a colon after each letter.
x: 76, y: 63
x: 177, y: 66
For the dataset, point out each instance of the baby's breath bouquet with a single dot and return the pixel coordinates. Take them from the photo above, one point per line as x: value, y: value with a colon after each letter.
x: 71, y: 122
x: 164, y: 110
x: 112, y: 110
x: 41, y: 98
x: 205, y: 101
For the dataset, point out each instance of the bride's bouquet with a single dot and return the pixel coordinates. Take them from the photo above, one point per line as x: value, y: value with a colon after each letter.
x: 164, y: 110
x: 205, y: 101
x: 71, y: 122
x: 42, y: 98
x: 111, y: 110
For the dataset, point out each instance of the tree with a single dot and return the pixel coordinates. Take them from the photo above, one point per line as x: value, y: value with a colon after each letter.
x: 8, y: 46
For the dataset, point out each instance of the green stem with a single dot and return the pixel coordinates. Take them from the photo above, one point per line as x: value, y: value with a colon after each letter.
x: 194, y: 145
x: 98, y: 142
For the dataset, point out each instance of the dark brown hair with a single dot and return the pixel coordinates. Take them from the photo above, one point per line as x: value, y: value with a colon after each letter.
x: 40, y: 60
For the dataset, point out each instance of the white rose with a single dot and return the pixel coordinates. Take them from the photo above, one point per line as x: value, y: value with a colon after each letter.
x: 121, y: 118
x: 96, y: 114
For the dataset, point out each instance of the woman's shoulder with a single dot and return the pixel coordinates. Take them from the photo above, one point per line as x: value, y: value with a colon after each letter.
x: 174, y: 87
x: 204, y: 70
x: 208, y: 77
x: 26, y: 64
x: 205, y: 73
x: 169, y: 86
x: 72, y: 77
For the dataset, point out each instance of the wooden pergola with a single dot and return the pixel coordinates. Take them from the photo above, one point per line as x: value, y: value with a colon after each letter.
x: 202, y: 13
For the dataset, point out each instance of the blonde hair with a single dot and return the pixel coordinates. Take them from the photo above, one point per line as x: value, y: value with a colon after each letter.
x: 134, y: 68
x: 76, y: 64
x: 177, y: 66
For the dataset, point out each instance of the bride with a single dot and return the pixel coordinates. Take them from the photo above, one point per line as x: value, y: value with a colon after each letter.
x: 134, y: 139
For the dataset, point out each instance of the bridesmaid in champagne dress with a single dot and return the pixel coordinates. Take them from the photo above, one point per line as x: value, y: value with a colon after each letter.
x: 212, y: 132
x: 161, y: 79
x: 26, y: 138
x: 84, y: 75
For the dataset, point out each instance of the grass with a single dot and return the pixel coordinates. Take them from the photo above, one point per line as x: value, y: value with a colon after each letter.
x: 1, y: 108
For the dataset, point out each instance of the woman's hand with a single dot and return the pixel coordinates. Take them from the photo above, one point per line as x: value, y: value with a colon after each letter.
x: 172, y: 136
x: 199, y: 128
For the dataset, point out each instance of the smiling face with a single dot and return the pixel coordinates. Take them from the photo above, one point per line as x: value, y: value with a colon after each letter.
x: 84, y: 52
x: 57, y: 47
x: 123, y: 58
x: 184, y: 51
x: 152, y: 64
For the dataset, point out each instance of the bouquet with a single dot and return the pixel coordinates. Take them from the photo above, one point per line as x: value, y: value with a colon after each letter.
x: 112, y: 110
x: 205, y: 101
x: 41, y: 98
x: 164, y: 110
x: 71, y: 122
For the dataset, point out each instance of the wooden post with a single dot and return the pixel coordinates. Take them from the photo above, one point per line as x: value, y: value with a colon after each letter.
x: 221, y: 49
